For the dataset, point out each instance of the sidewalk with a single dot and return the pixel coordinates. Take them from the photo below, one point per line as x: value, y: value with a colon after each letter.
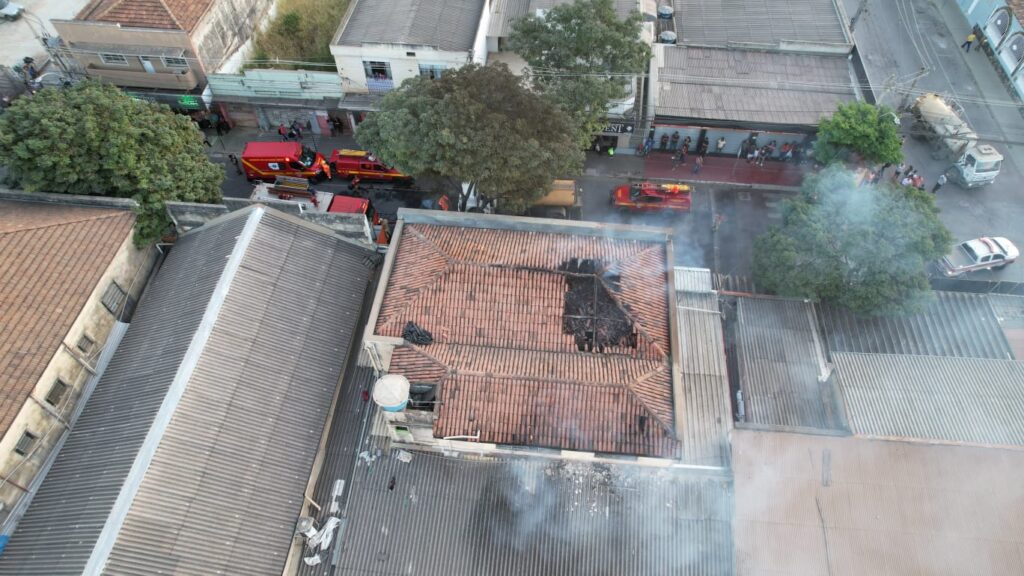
x: 725, y: 169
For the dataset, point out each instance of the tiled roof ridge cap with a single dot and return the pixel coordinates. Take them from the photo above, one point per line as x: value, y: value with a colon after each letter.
x: 90, y: 10
x: 172, y: 15
x: 442, y: 271
x: 639, y: 397
x: 69, y: 222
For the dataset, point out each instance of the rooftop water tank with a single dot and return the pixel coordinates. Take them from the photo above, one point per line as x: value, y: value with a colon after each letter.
x: 667, y: 37
x: 391, y: 392
x: 665, y: 12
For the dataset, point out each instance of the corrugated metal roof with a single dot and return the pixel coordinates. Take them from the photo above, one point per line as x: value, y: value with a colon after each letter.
x: 817, y: 505
x: 452, y: 517
x: 693, y: 279
x: 194, y: 451
x: 719, y: 22
x: 506, y: 12
x: 751, y: 86
x: 780, y: 359
x: 970, y: 400
x: 445, y: 24
x: 1009, y: 310
x: 953, y: 324
x: 708, y: 411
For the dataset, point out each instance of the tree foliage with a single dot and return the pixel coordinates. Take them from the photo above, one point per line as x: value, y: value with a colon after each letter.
x: 583, y: 56
x: 94, y: 139
x: 476, y: 124
x: 863, y: 247
x: 865, y: 129
x: 301, y: 31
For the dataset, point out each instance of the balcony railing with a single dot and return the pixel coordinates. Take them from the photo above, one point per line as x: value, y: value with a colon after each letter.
x: 183, y: 80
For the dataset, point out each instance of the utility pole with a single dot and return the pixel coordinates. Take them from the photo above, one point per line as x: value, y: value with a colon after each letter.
x: 856, y: 15
x: 906, y: 95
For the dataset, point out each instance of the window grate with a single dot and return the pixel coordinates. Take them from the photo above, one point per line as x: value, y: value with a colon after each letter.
x: 114, y: 59
x: 86, y: 345
x: 26, y: 443
x: 113, y: 298
x: 57, y: 393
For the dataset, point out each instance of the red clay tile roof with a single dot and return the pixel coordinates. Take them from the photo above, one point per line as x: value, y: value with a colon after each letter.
x: 51, y: 258
x: 160, y: 14
x: 494, y: 301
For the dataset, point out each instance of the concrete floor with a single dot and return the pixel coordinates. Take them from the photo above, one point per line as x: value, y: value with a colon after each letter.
x: 21, y: 36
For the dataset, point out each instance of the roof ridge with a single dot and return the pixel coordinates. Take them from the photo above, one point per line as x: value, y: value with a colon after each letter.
x: 171, y: 14
x: 639, y: 397
x: 68, y: 222
x: 419, y: 291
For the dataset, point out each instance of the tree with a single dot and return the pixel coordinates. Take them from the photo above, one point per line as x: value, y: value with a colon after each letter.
x: 863, y: 247
x: 476, y: 124
x: 583, y: 56
x: 865, y: 129
x: 94, y: 139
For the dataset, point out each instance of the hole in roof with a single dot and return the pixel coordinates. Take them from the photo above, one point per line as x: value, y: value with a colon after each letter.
x: 590, y: 312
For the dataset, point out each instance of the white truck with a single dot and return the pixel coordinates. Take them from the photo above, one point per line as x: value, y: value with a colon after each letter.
x: 940, y: 122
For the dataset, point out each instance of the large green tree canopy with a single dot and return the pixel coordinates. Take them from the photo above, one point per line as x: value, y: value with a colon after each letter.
x: 865, y: 129
x: 583, y: 56
x: 865, y: 247
x: 94, y: 139
x: 476, y: 124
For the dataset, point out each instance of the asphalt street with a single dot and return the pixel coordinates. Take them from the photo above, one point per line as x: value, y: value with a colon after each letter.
x: 897, y: 39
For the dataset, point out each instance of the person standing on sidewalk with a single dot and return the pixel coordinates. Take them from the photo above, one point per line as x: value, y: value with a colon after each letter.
x: 675, y: 140
x: 648, y: 144
x: 939, y: 183
x: 720, y: 145
x: 698, y: 163
x: 899, y: 170
x: 283, y: 132
x: 967, y: 43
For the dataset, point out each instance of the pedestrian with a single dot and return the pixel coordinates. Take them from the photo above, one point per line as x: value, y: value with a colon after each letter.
x: 291, y: 134
x: 967, y: 43
x: 899, y: 170
x: 702, y: 150
x: 698, y: 163
x: 675, y: 140
x: 297, y: 129
x: 910, y: 172
x: 686, y: 143
x: 678, y: 157
x: 762, y: 156
x: 234, y: 161
x: 282, y: 131
x: 918, y: 181
x: 720, y: 145
x: 939, y: 183
x: 663, y: 143
x: 907, y: 181
x: 648, y: 144
x: 881, y: 171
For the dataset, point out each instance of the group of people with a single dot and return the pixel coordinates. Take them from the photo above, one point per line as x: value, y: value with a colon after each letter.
x: 790, y: 151
x: 293, y: 132
x: 905, y: 175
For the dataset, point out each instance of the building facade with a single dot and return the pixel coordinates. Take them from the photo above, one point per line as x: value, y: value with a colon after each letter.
x: 1000, y: 23
x: 160, y: 50
x: 69, y: 274
x: 381, y: 44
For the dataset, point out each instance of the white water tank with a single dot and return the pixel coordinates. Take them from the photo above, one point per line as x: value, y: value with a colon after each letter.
x: 391, y: 392
x: 667, y: 37
x: 665, y: 12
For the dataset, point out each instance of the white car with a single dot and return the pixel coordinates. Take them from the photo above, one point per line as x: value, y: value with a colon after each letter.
x: 10, y: 11
x: 978, y: 254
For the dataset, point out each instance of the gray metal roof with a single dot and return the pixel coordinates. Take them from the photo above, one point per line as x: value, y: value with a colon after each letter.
x: 707, y: 416
x: 445, y: 24
x: 953, y: 324
x: 452, y: 517
x: 780, y: 359
x: 719, y: 22
x: 751, y: 86
x: 1009, y: 310
x: 506, y: 12
x: 962, y: 400
x: 194, y: 451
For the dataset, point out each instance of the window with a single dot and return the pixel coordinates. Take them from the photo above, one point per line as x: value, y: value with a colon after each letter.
x: 410, y: 54
x: 26, y: 443
x: 114, y: 59
x: 57, y: 393
x: 86, y: 345
x: 113, y: 298
x: 377, y: 70
x: 432, y: 71
x: 175, y: 63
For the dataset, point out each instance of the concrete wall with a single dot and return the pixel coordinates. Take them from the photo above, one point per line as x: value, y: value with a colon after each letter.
x: 130, y: 269
x: 225, y: 28
x: 480, y: 42
x: 349, y: 60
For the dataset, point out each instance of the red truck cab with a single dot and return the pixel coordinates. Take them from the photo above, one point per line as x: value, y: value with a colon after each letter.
x: 268, y: 160
x: 352, y: 163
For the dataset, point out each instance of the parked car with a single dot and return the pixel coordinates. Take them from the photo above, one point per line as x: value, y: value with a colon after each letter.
x: 10, y: 11
x: 643, y: 196
x: 978, y: 254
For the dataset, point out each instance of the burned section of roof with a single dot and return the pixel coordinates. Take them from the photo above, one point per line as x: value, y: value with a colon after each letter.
x: 193, y: 454
x: 953, y: 324
x: 538, y: 338
x: 436, y: 516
